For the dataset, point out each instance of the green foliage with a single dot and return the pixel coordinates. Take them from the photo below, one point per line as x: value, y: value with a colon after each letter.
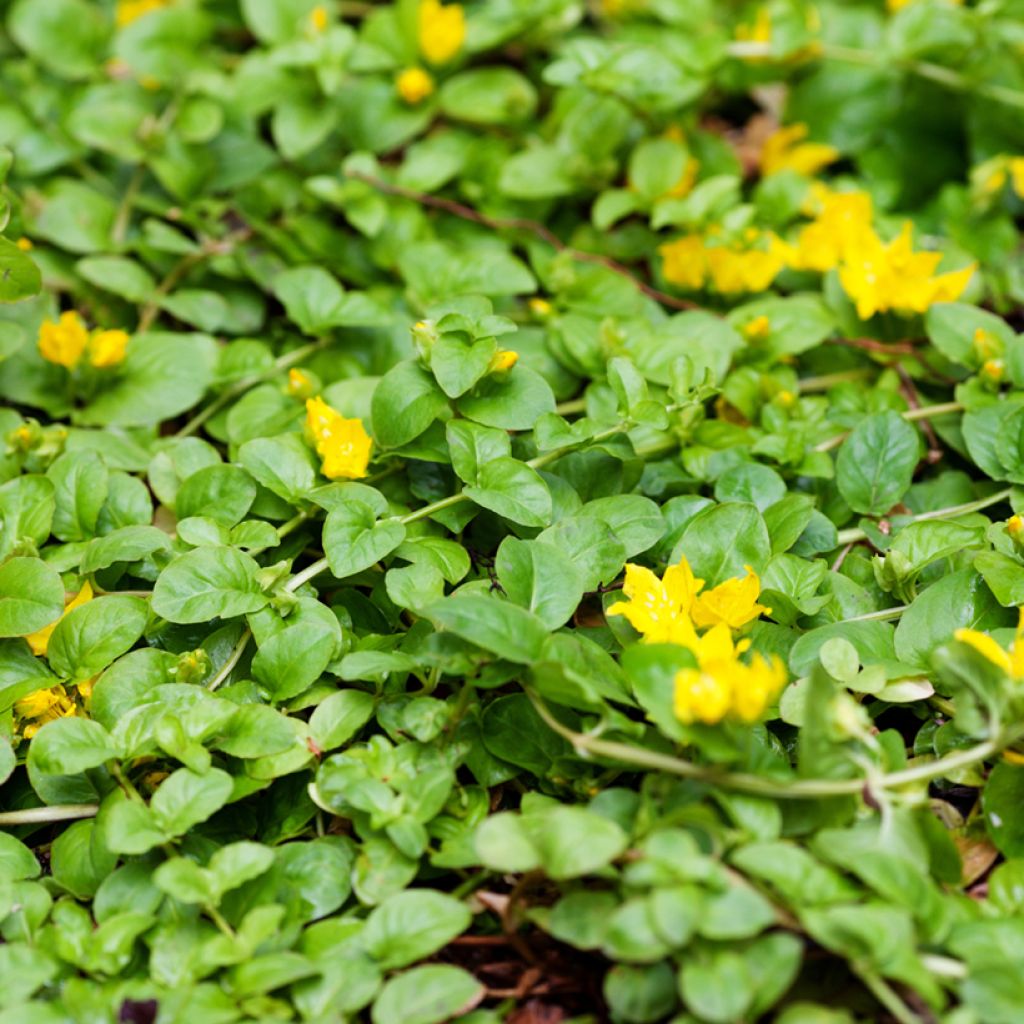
x: 332, y: 712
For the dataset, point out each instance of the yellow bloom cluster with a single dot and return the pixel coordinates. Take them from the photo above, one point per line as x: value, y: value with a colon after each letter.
x: 786, y: 150
x: 67, y: 339
x: 36, y: 709
x: 691, y: 262
x: 878, y: 276
x: 128, y: 11
x: 441, y: 30
x: 342, y: 444
x: 1012, y: 661
x: 673, y: 609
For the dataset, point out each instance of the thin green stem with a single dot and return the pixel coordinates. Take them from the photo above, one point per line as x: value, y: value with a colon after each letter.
x: 947, y: 77
x: 293, y: 524
x: 240, y: 387
x: 828, y: 380
x: 233, y: 658
x: 880, y: 616
x: 790, y: 789
x: 124, y: 208
x: 924, y: 413
x: 152, y: 308
x: 886, y: 995
x: 854, y: 534
x: 43, y: 815
x: 569, y: 408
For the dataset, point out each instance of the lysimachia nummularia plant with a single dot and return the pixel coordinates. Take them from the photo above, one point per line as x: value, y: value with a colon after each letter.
x: 511, y: 511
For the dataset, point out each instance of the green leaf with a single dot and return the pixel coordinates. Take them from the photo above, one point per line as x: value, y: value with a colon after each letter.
x: 41, y: 30
x: 80, y: 484
x: 512, y: 490
x: 495, y: 625
x: 118, y: 275
x: 208, y: 583
x: 19, y: 276
x: 427, y: 995
x: 514, y: 402
x: 163, y: 375
x: 31, y: 596
x: 70, y: 745
x: 488, y: 96
x: 186, y: 798
x: 91, y: 636
x: 876, y: 463
x: 721, y: 541
x: 315, y: 301
x: 412, y: 925
x: 284, y: 465
x: 540, y: 578
x: 958, y: 601
x: 405, y: 402
x: 354, y: 539
x: 337, y: 718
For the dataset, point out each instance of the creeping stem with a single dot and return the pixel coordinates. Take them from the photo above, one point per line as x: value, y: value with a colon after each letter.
x: 791, y: 789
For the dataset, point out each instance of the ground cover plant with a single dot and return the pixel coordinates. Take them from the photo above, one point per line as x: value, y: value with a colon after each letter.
x: 511, y: 512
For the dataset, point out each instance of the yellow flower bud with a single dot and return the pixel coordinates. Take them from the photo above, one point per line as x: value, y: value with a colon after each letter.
x: 787, y: 399
x: 756, y: 329
x: 502, y: 360
x: 1015, y: 526
x: 299, y: 383
x: 993, y: 369
x: 318, y: 18
x: 540, y: 308
x: 414, y: 85
x: 24, y: 244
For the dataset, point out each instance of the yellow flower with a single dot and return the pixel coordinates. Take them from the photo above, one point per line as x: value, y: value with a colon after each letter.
x: 842, y: 217
x: 1012, y: 661
x: 732, y: 603
x: 660, y: 609
x: 318, y: 18
x: 722, y: 685
x: 540, y: 308
x: 785, y: 150
x: 503, y: 359
x: 743, y: 270
x: 442, y: 30
x: 756, y: 329
x: 43, y: 706
x: 342, y: 444
x: 107, y: 348
x: 1015, y: 526
x: 684, y: 263
x: 881, y: 276
x: 63, y: 342
x: 24, y: 244
x: 414, y: 85
x: 128, y: 10
x: 39, y: 641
